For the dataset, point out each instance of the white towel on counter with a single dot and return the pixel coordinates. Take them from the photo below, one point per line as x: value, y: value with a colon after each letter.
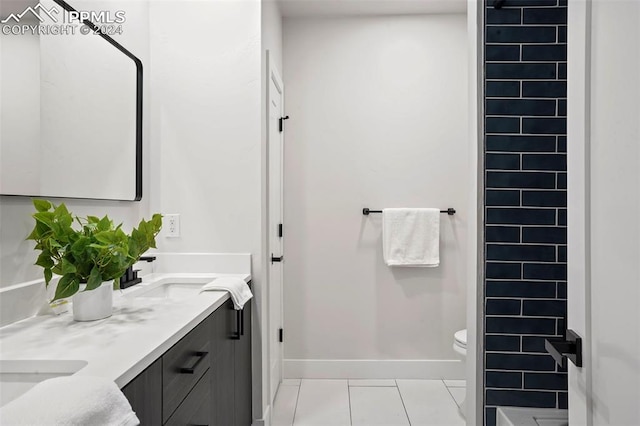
x: 411, y: 237
x: 70, y: 401
x: 237, y: 288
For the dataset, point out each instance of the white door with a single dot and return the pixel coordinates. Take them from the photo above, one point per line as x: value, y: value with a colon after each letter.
x: 275, y: 148
x: 604, y: 210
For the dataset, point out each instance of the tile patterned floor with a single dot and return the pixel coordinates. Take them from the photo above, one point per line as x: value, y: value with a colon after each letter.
x: 315, y: 402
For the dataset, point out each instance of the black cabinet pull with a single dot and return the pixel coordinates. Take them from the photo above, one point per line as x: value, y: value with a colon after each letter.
x: 192, y: 369
x: 236, y: 334
x: 242, y: 322
x: 276, y: 259
x: 562, y: 348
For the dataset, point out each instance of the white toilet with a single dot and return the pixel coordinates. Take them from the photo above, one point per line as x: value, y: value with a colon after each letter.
x: 460, y: 347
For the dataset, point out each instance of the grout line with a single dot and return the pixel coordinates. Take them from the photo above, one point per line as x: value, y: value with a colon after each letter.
x: 402, y: 400
x: 450, y: 394
x: 295, y: 409
x: 349, y: 395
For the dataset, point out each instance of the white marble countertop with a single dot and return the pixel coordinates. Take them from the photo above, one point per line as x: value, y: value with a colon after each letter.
x: 119, y: 347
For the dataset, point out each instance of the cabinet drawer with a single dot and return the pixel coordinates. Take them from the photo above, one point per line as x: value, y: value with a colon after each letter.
x: 196, y: 409
x: 183, y: 365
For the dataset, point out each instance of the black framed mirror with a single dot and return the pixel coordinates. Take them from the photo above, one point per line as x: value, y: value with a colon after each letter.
x: 72, y: 102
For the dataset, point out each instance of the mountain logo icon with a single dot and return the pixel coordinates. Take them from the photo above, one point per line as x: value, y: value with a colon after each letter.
x: 35, y: 12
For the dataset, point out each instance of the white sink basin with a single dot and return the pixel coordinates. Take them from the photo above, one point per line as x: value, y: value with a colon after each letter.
x: 170, y: 288
x: 18, y: 376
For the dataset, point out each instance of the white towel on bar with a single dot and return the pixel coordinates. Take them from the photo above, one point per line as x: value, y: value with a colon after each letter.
x: 237, y: 288
x: 411, y: 237
x: 71, y: 401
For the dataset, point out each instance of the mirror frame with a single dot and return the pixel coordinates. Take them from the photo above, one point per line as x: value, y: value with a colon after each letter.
x: 138, y: 191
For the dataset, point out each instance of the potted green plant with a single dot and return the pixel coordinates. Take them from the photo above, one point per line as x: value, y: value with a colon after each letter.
x: 87, y: 257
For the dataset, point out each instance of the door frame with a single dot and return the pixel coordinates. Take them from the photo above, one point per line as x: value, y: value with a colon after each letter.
x: 578, y: 201
x: 273, y: 75
x: 476, y: 266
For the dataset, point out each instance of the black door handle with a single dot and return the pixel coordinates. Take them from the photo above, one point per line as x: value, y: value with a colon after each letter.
x: 276, y: 259
x: 562, y: 348
x: 281, y: 123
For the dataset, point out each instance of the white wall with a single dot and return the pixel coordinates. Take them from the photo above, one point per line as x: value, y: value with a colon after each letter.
x: 17, y: 255
x: 378, y: 110
x: 205, y: 116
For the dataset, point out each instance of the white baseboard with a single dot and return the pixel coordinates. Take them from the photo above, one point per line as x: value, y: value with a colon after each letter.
x: 373, y: 369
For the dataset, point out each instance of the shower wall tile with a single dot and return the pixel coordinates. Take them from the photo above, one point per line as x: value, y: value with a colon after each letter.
x: 500, y: 52
x: 502, y: 379
x: 554, y: 235
x: 502, y: 234
x: 520, y: 216
x: 544, y: 89
x: 551, y: 15
x: 519, y: 362
x: 520, y: 143
x: 523, y: 289
x: 520, y: 34
x: 521, y: 398
x: 525, y: 181
x: 544, y: 199
x: 547, y: 52
x: 546, y: 381
x: 502, y: 343
x: 520, y: 71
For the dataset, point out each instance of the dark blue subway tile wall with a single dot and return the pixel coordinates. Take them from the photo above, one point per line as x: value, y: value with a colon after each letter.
x: 525, y: 149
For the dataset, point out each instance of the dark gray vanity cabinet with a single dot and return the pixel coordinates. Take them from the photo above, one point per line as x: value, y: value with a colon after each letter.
x: 145, y: 394
x: 204, y: 379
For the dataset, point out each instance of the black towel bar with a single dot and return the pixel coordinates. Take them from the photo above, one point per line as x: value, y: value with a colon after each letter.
x: 366, y: 211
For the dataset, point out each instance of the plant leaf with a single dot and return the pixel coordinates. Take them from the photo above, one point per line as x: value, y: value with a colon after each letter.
x: 68, y: 267
x: 44, y: 260
x: 106, y: 237
x: 104, y: 224
x: 67, y: 287
x: 42, y: 205
x: 47, y: 276
x: 45, y: 218
x: 95, y: 279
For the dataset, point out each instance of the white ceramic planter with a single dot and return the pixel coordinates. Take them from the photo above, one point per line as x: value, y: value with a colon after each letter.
x: 93, y: 304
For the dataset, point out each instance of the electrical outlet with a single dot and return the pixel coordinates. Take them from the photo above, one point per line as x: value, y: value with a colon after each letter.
x: 172, y: 224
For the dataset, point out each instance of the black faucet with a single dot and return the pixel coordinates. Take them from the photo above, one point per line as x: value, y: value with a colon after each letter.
x: 130, y: 277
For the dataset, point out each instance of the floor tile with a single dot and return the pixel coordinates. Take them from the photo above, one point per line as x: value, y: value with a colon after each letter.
x: 323, y: 403
x: 458, y: 394
x: 374, y: 382
x: 377, y: 406
x: 290, y: 382
x: 428, y: 403
x: 455, y: 383
x: 284, y: 406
